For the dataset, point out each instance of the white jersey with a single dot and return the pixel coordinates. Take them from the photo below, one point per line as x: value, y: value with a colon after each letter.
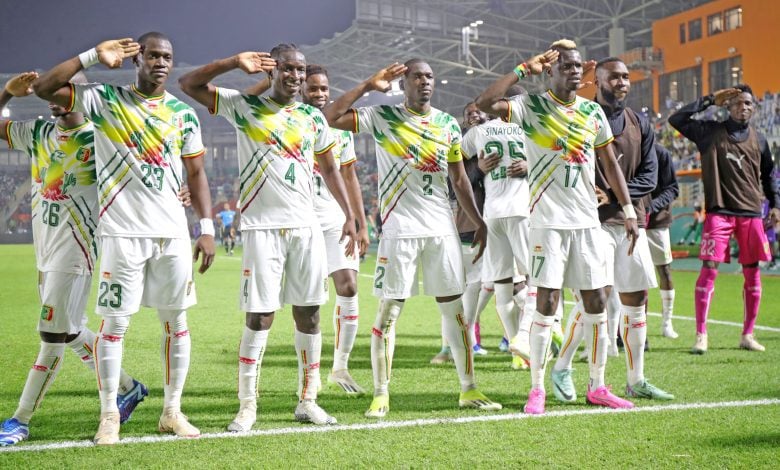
x: 412, y: 154
x: 277, y: 145
x: 140, y: 142
x: 560, y: 143
x: 505, y: 196
x: 328, y: 211
x: 64, y: 193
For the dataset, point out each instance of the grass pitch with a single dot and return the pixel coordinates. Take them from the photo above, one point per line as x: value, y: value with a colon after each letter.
x: 425, y: 428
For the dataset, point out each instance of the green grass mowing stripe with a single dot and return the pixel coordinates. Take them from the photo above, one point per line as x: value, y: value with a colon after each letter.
x: 402, y: 424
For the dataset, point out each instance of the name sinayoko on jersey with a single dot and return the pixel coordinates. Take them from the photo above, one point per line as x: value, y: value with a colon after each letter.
x: 509, y: 130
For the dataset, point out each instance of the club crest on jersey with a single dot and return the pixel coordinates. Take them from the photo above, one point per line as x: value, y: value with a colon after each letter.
x: 247, y: 272
x: 47, y: 313
x: 538, y: 249
x: 383, y: 259
x: 83, y: 154
x: 62, y: 138
x: 106, y: 275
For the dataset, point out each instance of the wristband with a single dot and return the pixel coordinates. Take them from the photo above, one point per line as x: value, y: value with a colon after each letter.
x: 89, y: 58
x: 521, y: 71
x: 629, y: 212
x: 207, y: 227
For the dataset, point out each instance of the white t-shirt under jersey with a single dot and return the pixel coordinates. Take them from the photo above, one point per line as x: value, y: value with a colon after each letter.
x: 505, y: 196
x: 560, y: 143
x: 277, y: 145
x: 412, y: 153
x: 140, y: 142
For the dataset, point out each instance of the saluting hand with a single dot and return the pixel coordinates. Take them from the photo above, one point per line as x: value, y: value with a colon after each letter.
x: 380, y: 81
x: 255, y: 62
x: 542, y: 62
x: 21, y: 85
x: 111, y: 53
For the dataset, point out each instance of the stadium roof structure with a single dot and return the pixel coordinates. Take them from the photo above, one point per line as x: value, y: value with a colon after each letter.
x: 468, y: 43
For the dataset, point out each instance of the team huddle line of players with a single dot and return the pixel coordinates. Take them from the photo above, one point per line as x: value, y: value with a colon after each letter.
x: 564, y: 177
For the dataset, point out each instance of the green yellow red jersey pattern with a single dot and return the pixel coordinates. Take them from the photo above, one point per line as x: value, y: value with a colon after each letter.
x: 560, y: 143
x: 140, y: 144
x: 277, y: 145
x: 412, y: 152
x: 328, y: 211
x: 64, y: 193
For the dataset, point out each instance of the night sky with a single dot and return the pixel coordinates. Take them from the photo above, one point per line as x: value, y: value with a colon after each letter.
x: 40, y: 34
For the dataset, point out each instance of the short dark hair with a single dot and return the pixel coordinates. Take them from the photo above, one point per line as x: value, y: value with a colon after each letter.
x: 151, y: 35
x: 608, y: 60
x: 744, y: 88
x: 316, y: 69
x: 279, y: 49
x: 413, y: 61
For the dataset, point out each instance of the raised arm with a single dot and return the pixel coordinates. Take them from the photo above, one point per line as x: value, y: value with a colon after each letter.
x: 53, y: 85
x: 18, y: 86
x: 197, y: 83
x: 492, y: 100
x: 617, y: 183
x: 201, y: 203
x: 338, y: 113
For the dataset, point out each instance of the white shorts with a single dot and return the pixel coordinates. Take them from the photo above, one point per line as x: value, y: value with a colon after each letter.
x: 153, y: 272
x: 567, y: 258
x: 63, y: 301
x: 398, y: 260
x: 334, y: 250
x: 473, y: 270
x: 660, y: 245
x: 507, y: 248
x: 283, y: 266
x: 634, y: 273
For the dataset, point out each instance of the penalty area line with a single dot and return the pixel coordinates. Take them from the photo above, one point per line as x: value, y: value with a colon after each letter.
x: 399, y: 424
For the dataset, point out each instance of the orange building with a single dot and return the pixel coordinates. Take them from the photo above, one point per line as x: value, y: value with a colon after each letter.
x: 713, y: 46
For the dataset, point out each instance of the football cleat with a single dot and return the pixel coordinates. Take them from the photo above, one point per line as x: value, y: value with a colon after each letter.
x: 603, y: 396
x: 476, y: 399
x: 750, y: 343
x: 177, y: 423
x: 645, y: 389
x: 380, y: 405
x: 701, y: 344
x: 127, y: 402
x: 341, y: 378
x: 563, y: 385
x: 308, y: 411
x: 535, y: 403
x: 12, y: 432
x: 108, y: 429
x: 443, y: 356
x: 246, y: 417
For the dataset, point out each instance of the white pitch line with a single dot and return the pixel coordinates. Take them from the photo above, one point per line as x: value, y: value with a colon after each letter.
x: 401, y: 424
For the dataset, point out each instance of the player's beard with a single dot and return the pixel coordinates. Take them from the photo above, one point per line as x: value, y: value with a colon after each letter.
x: 616, y: 104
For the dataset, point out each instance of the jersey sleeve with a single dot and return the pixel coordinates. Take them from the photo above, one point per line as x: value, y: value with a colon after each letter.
x: 454, y: 155
x: 516, y: 109
x: 88, y: 98
x: 364, y: 119
x: 603, y: 131
x: 225, y: 104
x: 324, y: 139
x: 192, y: 145
x: 348, y: 156
x: 469, y: 144
x: 21, y: 135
